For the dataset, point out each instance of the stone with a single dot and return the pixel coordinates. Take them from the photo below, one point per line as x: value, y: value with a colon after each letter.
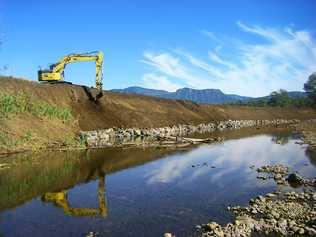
x: 198, y: 227
x: 291, y: 223
x: 277, y: 177
x: 301, y: 231
x: 93, y: 137
x: 212, y: 225
x: 167, y: 235
x: 91, y: 234
x: 261, y: 198
x: 254, y: 211
x: 219, y: 233
x: 310, y: 231
x: 275, y: 214
x: 280, y: 182
x: 270, y: 195
x: 282, y: 223
x: 295, y: 178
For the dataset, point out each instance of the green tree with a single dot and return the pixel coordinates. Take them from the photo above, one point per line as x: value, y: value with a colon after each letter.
x: 310, y: 87
x: 279, y: 98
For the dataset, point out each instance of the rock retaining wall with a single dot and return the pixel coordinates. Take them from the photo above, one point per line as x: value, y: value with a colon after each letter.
x: 105, y: 137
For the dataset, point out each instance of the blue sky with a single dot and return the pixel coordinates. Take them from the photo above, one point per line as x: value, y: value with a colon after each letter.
x: 243, y: 47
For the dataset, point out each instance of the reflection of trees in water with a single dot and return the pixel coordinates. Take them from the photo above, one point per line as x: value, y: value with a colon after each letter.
x: 311, y: 154
x: 58, y: 171
x: 280, y: 139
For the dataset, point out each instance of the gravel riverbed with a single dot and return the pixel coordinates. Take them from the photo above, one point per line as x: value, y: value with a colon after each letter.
x: 278, y: 213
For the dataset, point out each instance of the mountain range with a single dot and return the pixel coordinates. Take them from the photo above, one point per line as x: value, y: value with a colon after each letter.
x: 205, y: 96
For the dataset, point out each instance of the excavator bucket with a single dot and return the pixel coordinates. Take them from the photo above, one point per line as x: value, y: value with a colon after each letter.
x: 93, y: 94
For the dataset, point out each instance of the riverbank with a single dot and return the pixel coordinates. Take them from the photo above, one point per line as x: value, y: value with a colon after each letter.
x: 279, y: 213
x: 36, y: 116
x: 173, y: 135
x: 308, y: 131
x: 177, y: 136
x: 285, y: 214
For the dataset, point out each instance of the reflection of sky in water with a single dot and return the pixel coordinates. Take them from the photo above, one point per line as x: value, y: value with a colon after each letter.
x: 229, y: 157
x: 166, y: 195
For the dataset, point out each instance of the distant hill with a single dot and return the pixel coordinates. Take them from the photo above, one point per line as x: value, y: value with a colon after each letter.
x: 292, y: 94
x: 205, y: 96
x: 297, y: 94
x: 144, y: 91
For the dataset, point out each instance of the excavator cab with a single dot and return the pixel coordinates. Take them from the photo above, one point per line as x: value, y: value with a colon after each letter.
x: 49, y: 76
x: 55, y: 73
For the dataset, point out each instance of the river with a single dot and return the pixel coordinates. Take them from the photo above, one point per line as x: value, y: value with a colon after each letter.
x: 141, y: 191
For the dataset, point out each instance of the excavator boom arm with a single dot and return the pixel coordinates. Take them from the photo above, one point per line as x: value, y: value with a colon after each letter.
x: 56, y: 71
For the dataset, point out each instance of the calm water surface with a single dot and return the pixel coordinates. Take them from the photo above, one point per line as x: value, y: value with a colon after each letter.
x: 141, y: 192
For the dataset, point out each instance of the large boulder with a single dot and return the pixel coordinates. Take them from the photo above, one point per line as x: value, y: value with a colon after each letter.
x: 295, y: 178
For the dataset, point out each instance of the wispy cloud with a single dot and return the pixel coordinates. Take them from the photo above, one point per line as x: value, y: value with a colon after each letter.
x: 230, y: 158
x: 152, y: 80
x: 171, y: 66
x: 283, y: 58
x: 211, y: 35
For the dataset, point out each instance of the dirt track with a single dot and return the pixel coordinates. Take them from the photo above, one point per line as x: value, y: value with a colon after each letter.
x: 122, y: 110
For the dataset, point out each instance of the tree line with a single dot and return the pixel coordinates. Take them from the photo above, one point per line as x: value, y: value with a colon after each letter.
x: 281, y: 98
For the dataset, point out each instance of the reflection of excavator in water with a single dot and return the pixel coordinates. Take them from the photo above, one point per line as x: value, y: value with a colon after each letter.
x: 60, y: 199
x: 55, y: 73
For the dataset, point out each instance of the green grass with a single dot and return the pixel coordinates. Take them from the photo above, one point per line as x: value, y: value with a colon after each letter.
x: 3, y: 138
x: 78, y: 142
x: 9, y: 141
x: 24, y: 103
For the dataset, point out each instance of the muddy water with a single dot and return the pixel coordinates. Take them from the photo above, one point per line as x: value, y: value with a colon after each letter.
x: 141, y: 192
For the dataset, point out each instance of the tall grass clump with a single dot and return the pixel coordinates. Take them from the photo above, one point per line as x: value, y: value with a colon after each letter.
x: 24, y: 103
x: 51, y: 111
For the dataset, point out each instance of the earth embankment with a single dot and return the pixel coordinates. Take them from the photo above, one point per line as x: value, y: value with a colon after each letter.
x: 112, y: 110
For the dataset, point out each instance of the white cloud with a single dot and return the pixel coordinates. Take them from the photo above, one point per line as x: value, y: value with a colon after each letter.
x: 166, y: 63
x: 217, y: 59
x: 230, y: 157
x: 154, y: 81
x: 171, y: 66
x: 210, y: 35
x: 283, y: 59
x: 268, y: 33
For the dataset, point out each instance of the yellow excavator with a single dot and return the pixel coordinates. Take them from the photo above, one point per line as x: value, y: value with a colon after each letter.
x: 60, y: 199
x: 55, y: 73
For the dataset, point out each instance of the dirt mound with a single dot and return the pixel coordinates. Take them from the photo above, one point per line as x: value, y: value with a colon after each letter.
x: 22, y: 131
x: 124, y: 110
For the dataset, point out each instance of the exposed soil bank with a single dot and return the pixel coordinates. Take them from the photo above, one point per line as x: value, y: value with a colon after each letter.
x: 123, y: 110
x: 116, y: 110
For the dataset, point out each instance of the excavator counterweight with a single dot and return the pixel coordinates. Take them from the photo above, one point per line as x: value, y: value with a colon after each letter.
x: 55, y: 73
